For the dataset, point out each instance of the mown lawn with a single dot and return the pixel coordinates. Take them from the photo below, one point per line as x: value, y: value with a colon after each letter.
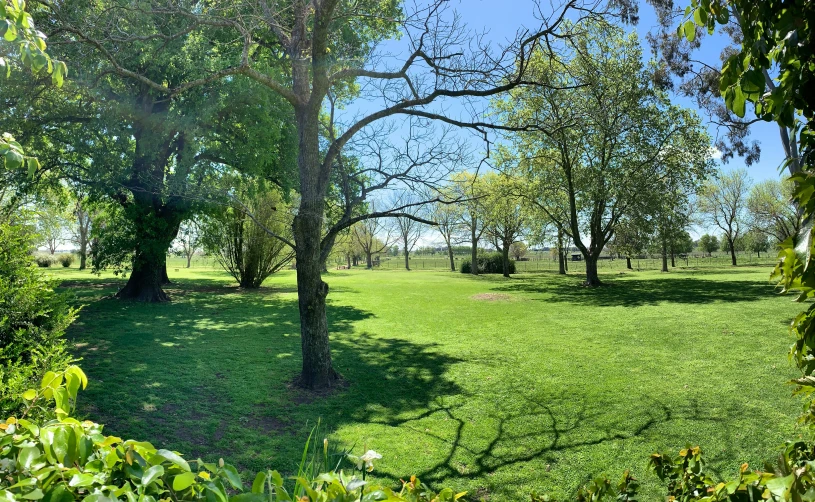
x: 495, y: 386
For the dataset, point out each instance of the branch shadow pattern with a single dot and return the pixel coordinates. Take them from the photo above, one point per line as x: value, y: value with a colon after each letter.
x: 629, y: 292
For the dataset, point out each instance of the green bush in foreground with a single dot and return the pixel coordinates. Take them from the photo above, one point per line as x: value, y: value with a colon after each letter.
x: 33, y: 319
x: 63, y: 460
x: 490, y: 263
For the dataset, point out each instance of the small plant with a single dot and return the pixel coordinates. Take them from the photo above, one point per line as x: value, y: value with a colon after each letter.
x: 43, y: 260
x: 66, y: 260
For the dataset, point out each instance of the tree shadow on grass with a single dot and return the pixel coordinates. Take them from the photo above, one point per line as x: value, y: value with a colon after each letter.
x: 209, y: 374
x: 630, y: 292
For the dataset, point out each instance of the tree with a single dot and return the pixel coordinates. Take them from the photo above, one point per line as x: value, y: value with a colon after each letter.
x: 81, y: 230
x: 506, y: 215
x: 239, y: 236
x: 366, y: 235
x: 756, y: 242
x: 470, y: 190
x: 608, y: 133
x: 723, y: 203
x: 52, y: 221
x: 518, y: 250
x: 770, y: 210
x: 189, y: 240
x: 631, y: 238
x: 447, y: 216
x: 709, y: 244
x: 409, y: 230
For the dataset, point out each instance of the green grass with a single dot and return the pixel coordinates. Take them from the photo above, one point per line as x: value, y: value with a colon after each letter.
x: 535, y: 390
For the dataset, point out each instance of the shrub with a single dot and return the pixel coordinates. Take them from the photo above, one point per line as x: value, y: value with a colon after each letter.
x: 43, y: 260
x: 33, y: 319
x: 489, y: 263
x: 239, y: 238
x: 64, y: 460
x: 65, y: 259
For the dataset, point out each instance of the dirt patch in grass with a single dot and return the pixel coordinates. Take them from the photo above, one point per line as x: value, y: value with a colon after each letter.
x: 491, y: 297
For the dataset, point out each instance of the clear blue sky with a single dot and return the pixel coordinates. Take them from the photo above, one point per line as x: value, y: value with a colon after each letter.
x: 503, y: 17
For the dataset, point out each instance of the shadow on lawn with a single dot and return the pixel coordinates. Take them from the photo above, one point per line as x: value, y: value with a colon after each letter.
x: 209, y: 374
x: 636, y: 292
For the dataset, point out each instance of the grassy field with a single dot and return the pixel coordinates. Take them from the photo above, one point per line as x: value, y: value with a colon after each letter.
x: 495, y: 386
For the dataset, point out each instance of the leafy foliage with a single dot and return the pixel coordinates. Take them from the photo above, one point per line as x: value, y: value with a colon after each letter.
x: 488, y: 263
x: 239, y: 237
x: 33, y: 319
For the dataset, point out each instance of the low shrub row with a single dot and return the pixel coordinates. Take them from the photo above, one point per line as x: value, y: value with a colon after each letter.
x: 488, y: 263
x: 46, y: 260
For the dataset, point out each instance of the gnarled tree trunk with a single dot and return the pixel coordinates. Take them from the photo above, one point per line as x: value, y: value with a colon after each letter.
x: 592, y: 279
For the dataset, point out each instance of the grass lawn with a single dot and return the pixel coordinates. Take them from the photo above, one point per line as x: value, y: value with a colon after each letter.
x: 495, y: 386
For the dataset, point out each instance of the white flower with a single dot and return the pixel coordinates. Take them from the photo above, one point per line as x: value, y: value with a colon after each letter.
x: 368, y: 458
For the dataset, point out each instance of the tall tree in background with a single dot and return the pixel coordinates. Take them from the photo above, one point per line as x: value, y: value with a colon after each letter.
x: 771, y: 210
x: 410, y: 231
x: 81, y: 229
x: 723, y: 203
x: 507, y: 216
x: 607, y: 135
x: 447, y: 216
x: 470, y: 190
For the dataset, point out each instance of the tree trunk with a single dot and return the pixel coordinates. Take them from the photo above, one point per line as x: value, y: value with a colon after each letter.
x: 348, y: 261
x: 189, y: 260
x: 144, y: 283
x: 561, y: 262
x: 565, y: 260
x: 664, y: 255
x: 505, y: 256
x: 473, y: 250
x: 407, y: 259
x: 165, y: 279
x: 83, y: 259
x: 628, y: 263
x: 317, y: 370
x: 592, y: 279
x: 452, y: 258
x: 369, y: 263
x: 732, y: 252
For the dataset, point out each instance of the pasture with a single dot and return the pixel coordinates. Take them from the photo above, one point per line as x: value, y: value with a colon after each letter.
x: 495, y: 386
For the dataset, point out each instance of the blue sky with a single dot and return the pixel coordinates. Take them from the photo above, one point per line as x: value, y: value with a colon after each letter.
x: 503, y: 17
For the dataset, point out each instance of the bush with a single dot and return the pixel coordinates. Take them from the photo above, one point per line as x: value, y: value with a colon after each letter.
x: 65, y: 259
x: 490, y: 263
x: 33, y: 319
x: 239, y: 240
x: 65, y: 460
x: 43, y: 260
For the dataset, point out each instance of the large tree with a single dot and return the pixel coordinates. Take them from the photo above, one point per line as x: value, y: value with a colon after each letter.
x: 507, y: 214
x: 607, y: 135
x: 158, y: 153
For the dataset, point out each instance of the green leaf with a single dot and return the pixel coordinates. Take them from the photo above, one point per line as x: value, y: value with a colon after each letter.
x: 36, y: 494
x: 81, y: 480
x: 152, y: 474
x: 700, y: 17
x: 28, y: 456
x: 739, y: 101
x: 690, y: 30
x: 183, y: 481
x: 174, y: 459
x: 13, y: 159
x: 259, y: 485
x: 30, y: 394
x: 233, y: 477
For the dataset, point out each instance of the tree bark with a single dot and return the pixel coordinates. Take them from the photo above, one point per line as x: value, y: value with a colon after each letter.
x: 407, y: 259
x: 561, y: 262
x: 664, y: 255
x: 452, y: 258
x: 369, y: 263
x: 317, y: 370
x: 83, y: 259
x: 732, y: 251
x: 505, y: 256
x: 592, y: 279
x: 348, y: 261
x: 565, y: 261
x: 473, y: 250
x: 144, y: 283
x: 628, y: 263
x: 189, y: 260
